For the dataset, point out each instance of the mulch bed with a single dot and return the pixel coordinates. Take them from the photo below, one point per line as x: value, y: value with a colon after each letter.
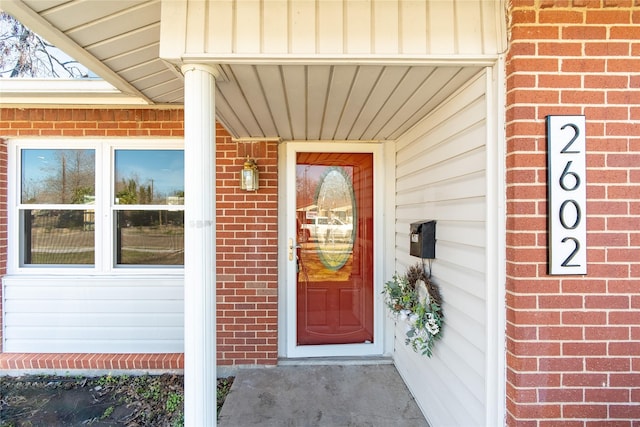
x: 150, y: 400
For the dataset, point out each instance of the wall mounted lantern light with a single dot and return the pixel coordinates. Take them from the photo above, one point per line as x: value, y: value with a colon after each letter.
x: 249, y: 175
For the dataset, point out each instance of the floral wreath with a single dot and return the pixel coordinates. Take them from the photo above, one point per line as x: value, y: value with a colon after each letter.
x: 416, y: 300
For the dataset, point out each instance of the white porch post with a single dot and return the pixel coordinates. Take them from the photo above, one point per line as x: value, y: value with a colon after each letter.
x: 199, y: 247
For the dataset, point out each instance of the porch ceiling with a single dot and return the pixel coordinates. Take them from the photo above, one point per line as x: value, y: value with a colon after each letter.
x: 332, y: 102
x: 119, y: 40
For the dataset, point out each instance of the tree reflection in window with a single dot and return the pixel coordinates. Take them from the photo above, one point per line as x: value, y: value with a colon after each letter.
x: 58, y: 206
x: 145, y: 234
x: 65, y: 176
x: 62, y: 183
x: 335, y: 201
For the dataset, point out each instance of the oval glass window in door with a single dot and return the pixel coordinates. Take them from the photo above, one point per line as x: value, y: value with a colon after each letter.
x: 336, y: 216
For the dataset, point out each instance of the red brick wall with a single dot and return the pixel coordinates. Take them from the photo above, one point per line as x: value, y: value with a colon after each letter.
x: 96, y: 123
x: 573, y: 342
x: 247, y: 237
x: 246, y: 232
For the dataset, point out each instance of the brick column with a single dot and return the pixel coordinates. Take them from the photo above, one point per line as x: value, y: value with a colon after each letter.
x: 573, y: 342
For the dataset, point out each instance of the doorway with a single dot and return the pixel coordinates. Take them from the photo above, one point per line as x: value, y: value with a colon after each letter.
x: 334, y: 252
x: 331, y: 308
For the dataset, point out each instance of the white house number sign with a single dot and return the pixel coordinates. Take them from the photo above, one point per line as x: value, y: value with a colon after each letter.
x: 567, y: 197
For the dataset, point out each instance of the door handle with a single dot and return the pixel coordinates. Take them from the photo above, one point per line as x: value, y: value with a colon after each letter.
x: 290, y: 249
x: 292, y: 246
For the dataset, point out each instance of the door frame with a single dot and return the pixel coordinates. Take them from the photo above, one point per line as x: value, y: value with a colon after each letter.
x: 287, y: 314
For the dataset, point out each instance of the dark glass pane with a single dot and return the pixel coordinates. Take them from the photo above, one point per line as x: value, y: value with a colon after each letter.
x: 149, y: 177
x: 150, y: 237
x: 58, y: 176
x: 58, y: 237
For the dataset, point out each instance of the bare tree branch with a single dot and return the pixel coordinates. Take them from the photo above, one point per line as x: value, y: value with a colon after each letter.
x: 24, y: 53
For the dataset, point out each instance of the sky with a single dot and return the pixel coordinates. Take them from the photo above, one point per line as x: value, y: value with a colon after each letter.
x: 162, y: 168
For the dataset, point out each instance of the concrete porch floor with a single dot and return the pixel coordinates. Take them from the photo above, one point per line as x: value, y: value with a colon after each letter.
x: 320, y: 395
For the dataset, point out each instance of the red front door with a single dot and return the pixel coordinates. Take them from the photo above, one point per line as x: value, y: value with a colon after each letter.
x: 334, y: 223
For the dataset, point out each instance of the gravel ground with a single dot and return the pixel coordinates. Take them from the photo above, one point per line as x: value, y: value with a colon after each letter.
x: 102, y: 401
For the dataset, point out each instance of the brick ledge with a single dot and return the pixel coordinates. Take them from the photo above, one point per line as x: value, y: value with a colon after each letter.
x: 91, y: 361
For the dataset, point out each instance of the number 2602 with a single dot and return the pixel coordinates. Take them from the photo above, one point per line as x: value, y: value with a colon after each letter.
x: 567, y: 195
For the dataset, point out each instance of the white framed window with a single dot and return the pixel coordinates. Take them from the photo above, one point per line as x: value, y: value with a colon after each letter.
x: 96, y: 206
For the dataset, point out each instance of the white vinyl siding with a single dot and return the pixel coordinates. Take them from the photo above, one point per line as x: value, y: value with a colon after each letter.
x: 334, y: 28
x: 441, y: 175
x: 72, y: 314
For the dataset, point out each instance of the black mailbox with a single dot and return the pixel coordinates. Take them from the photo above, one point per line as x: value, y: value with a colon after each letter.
x: 423, y: 239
